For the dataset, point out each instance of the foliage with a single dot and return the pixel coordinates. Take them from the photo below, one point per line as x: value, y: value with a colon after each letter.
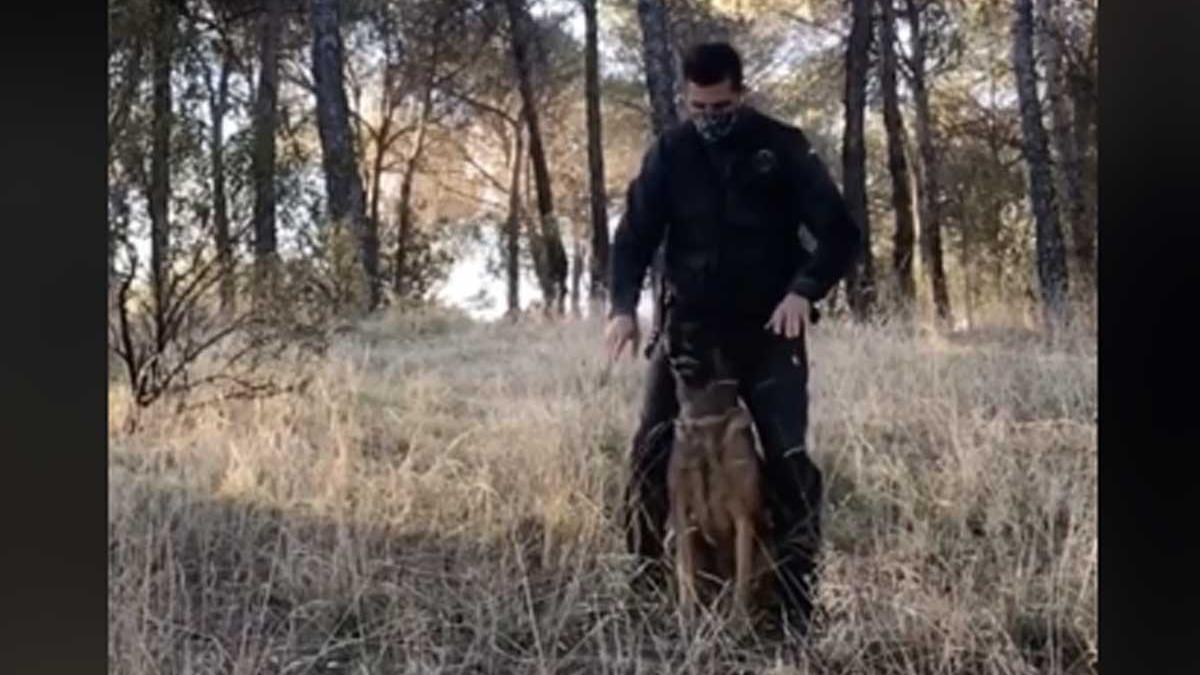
x: 458, y: 50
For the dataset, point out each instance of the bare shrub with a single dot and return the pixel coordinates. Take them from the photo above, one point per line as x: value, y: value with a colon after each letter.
x: 176, y: 340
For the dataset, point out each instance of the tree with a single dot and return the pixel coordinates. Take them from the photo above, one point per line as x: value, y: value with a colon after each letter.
x: 897, y: 142
x: 860, y: 280
x: 384, y: 137
x: 548, y: 245
x: 1080, y: 46
x: 661, y: 88
x: 417, y: 148
x: 660, y: 66
x: 122, y: 157
x: 576, y: 266
x: 512, y: 229
x: 160, y: 160
x: 1051, y: 37
x: 929, y: 168
x: 1051, y: 258
x: 265, y: 123
x: 343, y: 184
x: 598, y: 201
x: 218, y: 96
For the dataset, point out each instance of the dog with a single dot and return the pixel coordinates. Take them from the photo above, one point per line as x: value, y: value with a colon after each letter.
x: 715, y: 491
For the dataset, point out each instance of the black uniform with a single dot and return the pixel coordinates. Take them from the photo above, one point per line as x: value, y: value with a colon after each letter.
x: 729, y: 213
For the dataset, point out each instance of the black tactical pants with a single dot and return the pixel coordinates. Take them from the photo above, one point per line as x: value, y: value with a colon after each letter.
x: 773, y: 382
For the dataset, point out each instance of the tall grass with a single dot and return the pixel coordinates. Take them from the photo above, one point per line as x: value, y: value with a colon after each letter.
x: 443, y: 498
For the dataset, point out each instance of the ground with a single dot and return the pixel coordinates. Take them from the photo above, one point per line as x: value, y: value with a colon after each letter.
x: 443, y: 498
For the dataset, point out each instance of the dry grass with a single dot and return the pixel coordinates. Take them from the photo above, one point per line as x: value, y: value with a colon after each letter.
x: 443, y: 499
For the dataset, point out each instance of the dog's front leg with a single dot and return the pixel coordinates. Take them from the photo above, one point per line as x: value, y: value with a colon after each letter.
x: 744, y: 547
x: 685, y: 563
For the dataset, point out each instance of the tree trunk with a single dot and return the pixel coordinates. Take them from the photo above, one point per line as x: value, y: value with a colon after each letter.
x: 1051, y: 258
x: 1069, y: 164
x: 220, y: 105
x: 354, y: 106
x: 537, y: 246
x: 1082, y: 85
x: 598, y: 278
x: 555, y: 255
x: 1083, y: 122
x: 512, y: 228
x: 996, y: 142
x: 860, y: 280
x: 660, y: 66
x: 661, y: 88
x: 382, y: 138
x: 120, y: 149
x: 160, y: 159
x: 377, y: 168
x: 343, y: 184
x: 897, y: 142
x: 131, y: 78
x: 400, y: 284
x: 929, y: 170
x: 119, y: 216
x: 400, y: 277
x: 968, y: 267
x: 576, y: 267
x: 265, y: 123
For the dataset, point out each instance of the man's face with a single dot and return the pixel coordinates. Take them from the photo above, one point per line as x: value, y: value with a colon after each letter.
x: 713, y: 108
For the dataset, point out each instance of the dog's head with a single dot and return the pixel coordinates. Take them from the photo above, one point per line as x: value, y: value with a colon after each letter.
x: 710, y: 415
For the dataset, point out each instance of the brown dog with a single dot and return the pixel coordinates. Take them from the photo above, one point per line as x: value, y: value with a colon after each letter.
x: 715, y: 492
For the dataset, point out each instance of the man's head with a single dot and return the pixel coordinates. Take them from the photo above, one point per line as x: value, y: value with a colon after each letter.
x: 713, y: 71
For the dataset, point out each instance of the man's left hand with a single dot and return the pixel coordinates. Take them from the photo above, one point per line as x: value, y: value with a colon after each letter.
x: 790, y: 317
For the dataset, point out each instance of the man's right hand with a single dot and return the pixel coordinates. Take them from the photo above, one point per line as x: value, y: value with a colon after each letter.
x: 622, y: 329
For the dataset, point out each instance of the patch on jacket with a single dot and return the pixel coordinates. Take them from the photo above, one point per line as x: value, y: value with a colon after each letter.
x: 807, y: 240
x: 763, y: 161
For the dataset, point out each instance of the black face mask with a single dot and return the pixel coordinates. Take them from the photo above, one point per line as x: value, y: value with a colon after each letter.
x: 713, y: 126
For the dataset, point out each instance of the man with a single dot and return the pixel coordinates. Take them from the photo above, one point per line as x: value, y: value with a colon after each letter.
x: 727, y: 193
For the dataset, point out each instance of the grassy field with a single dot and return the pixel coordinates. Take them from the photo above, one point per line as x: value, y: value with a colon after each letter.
x: 443, y: 498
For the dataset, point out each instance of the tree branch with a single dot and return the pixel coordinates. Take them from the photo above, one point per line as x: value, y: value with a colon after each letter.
x: 487, y: 107
x: 809, y: 23
x: 475, y: 198
x: 478, y: 167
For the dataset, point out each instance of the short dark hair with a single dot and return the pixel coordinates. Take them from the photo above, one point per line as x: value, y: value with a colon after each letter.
x: 710, y: 63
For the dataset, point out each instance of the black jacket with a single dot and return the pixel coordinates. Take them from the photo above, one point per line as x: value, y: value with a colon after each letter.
x: 730, y: 215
